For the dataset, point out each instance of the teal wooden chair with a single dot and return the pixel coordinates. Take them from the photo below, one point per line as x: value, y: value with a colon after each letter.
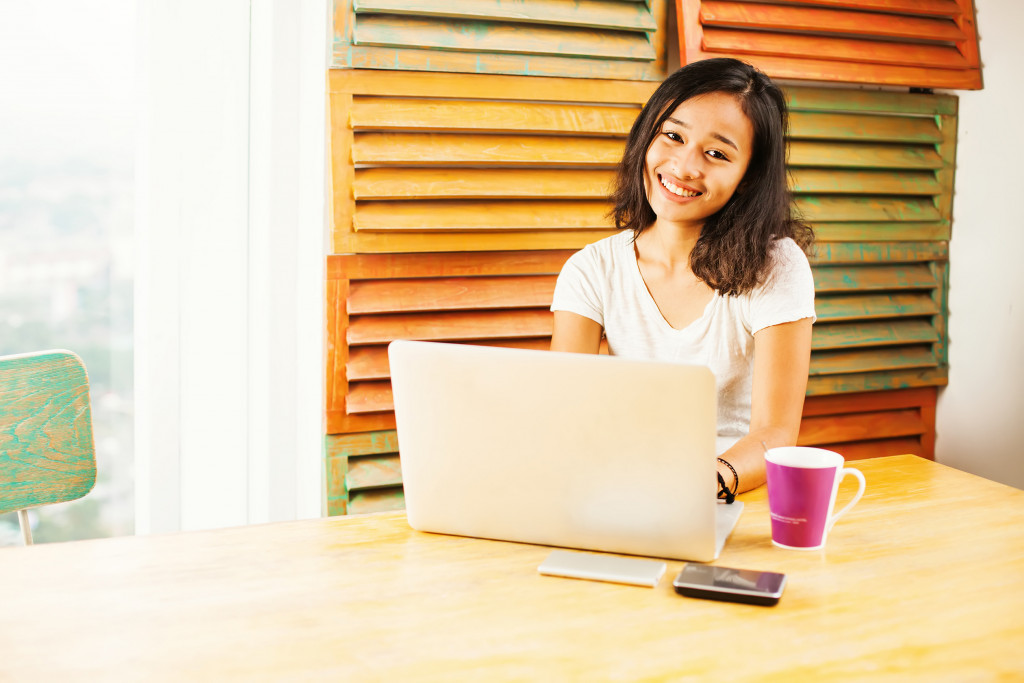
x: 46, y: 444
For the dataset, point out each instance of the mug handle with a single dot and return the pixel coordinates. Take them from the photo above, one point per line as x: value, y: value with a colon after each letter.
x: 860, y: 492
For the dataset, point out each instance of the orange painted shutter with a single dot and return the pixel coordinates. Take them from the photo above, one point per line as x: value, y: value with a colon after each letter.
x: 916, y: 43
x: 495, y: 298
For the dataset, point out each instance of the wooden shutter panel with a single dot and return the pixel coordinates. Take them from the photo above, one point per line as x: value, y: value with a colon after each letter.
x: 873, y: 424
x: 452, y: 162
x: 873, y: 173
x: 617, y: 39
x: 917, y: 43
x: 364, y: 473
x: 497, y: 298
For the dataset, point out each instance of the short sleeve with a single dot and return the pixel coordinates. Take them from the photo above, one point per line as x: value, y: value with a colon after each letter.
x: 787, y: 294
x: 578, y: 288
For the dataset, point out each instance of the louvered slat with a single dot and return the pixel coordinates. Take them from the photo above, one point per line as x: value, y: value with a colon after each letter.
x: 839, y: 49
x: 938, y: 8
x: 473, y: 215
x: 387, y: 183
x: 619, y: 16
x: 371, y: 362
x: 752, y: 15
x: 468, y: 149
x: 376, y: 500
x: 389, y: 31
x: 863, y: 334
x: 836, y: 154
x: 373, y: 471
x: 369, y: 397
x: 436, y: 294
x: 405, y: 114
x: 373, y: 329
x: 831, y: 208
x: 868, y: 306
x: 812, y: 125
x: 867, y: 278
x: 886, y: 358
x: 832, y: 181
x: 860, y: 426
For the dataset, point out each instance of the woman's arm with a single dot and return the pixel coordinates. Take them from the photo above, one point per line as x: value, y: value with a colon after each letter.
x: 576, y: 333
x: 782, y: 359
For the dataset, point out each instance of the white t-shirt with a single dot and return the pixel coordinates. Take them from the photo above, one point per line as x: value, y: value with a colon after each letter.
x: 603, y: 282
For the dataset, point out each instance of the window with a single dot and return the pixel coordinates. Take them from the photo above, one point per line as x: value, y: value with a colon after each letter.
x: 66, y: 221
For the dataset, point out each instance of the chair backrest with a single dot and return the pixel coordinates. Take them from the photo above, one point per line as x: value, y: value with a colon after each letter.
x: 47, y: 453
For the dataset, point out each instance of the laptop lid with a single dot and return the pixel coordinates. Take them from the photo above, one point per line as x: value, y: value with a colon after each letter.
x: 572, y: 450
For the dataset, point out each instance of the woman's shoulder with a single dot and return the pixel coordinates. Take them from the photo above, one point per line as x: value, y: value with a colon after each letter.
x: 786, y: 253
x: 607, y: 252
x: 786, y: 247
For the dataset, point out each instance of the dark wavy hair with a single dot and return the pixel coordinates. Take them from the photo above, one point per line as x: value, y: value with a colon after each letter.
x: 731, y: 254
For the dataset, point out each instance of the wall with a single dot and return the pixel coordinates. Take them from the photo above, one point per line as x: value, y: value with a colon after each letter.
x: 980, y: 419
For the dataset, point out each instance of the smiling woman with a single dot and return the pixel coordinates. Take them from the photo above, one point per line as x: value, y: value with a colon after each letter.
x: 711, y: 270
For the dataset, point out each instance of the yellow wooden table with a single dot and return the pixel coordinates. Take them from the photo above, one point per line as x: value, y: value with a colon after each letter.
x: 924, y: 578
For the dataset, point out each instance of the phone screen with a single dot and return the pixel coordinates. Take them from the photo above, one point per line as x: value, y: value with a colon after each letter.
x: 726, y: 583
x: 727, y: 578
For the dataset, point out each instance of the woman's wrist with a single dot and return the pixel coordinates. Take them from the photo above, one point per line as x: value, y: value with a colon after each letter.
x: 728, y: 480
x: 730, y: 475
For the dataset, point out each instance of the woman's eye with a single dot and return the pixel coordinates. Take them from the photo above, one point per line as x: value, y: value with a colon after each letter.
x: 717, y: 155
x: 675, y: 137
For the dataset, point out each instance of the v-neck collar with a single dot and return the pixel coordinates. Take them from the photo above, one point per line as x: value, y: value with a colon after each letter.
x: 652, y: 305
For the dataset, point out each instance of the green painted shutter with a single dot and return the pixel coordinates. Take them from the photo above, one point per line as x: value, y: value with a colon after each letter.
x: 873, y: 173
x: 620, y: 39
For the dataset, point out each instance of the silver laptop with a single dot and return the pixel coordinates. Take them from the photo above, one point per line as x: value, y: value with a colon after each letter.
x: 561, y: 449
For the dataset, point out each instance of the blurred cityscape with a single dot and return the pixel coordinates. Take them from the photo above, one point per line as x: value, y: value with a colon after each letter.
x: 66, y: 282
x: 67, y: 149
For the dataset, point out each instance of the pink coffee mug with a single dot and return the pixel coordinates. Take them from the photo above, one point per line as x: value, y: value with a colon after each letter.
x: 802, y: 487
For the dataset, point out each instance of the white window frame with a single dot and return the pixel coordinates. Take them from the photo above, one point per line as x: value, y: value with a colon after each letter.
x: 231, y: 229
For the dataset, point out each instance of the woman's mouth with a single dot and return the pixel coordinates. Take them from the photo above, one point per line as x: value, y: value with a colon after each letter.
x: 676, y: 189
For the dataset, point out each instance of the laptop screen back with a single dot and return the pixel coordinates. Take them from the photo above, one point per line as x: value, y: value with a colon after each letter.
x: 570, y: 450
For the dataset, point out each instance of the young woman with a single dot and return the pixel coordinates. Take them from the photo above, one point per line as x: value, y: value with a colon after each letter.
x: 712, y: 269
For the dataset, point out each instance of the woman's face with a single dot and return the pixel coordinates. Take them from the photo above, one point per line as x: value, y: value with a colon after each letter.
x: 698, y: 159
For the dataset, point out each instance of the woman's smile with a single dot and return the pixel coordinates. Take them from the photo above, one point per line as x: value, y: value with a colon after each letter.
x: 678, y: 190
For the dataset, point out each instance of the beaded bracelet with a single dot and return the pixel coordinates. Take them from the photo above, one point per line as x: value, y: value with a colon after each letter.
x: 723, y: 491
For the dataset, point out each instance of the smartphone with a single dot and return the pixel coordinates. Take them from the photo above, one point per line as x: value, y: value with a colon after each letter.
x: 731, y: 585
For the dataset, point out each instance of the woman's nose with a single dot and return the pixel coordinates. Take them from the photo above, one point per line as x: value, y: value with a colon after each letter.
x: 689, y: 162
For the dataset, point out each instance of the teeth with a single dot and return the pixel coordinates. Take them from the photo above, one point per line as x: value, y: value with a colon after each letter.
x: 676, y: 190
